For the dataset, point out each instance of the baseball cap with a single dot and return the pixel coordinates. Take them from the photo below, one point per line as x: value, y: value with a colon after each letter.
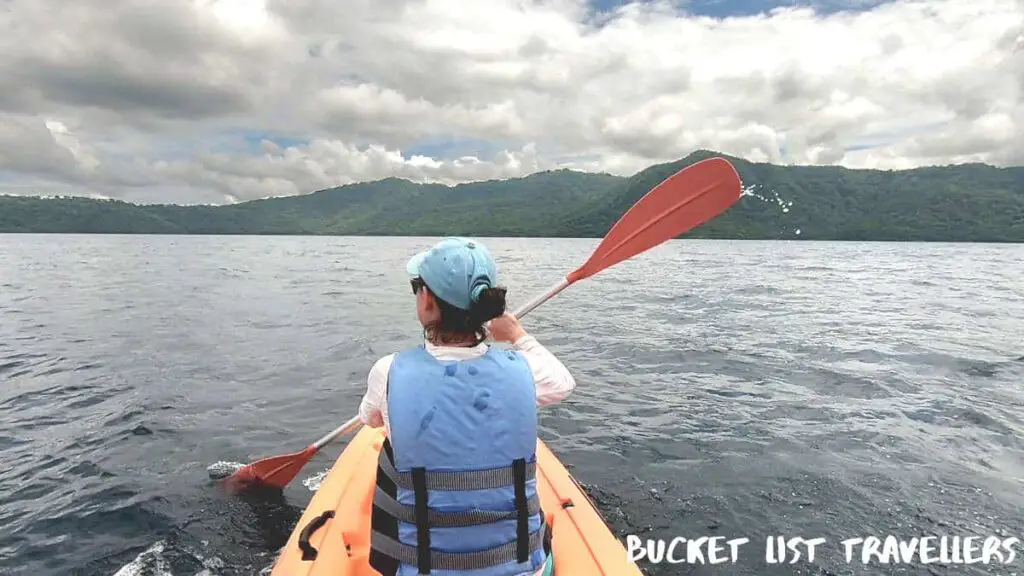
x: 456, y: 270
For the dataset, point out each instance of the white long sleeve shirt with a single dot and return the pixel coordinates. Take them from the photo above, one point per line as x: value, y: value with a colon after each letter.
x: 553, y: 380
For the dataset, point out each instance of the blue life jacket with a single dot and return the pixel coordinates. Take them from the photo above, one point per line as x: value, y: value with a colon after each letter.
x: 463, y: 474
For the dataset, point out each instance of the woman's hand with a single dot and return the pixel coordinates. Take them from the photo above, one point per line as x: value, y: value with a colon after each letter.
x: 506, y: 328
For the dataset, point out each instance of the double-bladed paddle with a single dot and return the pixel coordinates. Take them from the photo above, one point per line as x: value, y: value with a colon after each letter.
x: 680, y: 203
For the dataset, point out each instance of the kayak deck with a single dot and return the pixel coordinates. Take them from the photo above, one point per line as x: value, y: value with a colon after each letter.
x: 582, y: 542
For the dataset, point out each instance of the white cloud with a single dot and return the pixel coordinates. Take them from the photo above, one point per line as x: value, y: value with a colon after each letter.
x: 152, y: 103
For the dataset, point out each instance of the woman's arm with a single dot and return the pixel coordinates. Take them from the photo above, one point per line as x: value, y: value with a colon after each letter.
x: 371, y: 409
x: 553, y: 380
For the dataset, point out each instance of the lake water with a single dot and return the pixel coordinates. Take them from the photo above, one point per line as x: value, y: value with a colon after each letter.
x: 737, y: 389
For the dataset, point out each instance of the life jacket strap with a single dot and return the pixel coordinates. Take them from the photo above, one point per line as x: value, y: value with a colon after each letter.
x: 436, y: 519
x: 522, y: 519
x: 455, y: 560
x: 465, y: 480
x: 419, y: 481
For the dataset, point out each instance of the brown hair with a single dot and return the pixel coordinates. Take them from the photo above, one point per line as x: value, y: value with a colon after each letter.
x: 457, y: 325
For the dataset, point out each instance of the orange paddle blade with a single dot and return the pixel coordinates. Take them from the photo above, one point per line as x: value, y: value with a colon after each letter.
x: 680, y: 203
x: 278, y: 471
x: 272, y: 472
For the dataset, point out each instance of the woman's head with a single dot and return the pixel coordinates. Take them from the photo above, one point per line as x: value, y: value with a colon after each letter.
x: 456, y: 293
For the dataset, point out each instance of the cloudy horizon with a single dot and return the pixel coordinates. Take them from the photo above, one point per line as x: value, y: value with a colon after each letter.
x: 219, y: 101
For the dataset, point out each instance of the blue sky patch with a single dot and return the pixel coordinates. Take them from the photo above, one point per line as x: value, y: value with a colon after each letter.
x: 864, y: 146
x: 253, y: 139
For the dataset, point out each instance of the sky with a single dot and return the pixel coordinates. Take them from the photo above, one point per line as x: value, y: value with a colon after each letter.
x: 224, y: 101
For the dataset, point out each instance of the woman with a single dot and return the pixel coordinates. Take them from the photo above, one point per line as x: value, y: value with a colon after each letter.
x: 456, y: 488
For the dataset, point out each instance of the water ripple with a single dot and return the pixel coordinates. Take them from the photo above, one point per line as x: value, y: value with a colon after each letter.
x: 725, y: 388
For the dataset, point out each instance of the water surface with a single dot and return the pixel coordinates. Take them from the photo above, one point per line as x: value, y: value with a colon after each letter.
x: 725, y: 388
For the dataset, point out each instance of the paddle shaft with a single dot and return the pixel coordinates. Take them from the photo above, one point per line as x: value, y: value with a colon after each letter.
x: 345, y: 428
x: 542, y: 298
x: 523, y: 310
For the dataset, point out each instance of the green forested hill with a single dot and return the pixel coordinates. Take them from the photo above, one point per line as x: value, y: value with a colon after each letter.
x: 972, y: 202
x: 963, y: 203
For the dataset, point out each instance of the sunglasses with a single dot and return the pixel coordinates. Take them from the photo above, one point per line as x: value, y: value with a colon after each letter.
x: 417, y: 284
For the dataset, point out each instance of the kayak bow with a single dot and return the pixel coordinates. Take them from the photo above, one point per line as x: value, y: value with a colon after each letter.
x: 333, y: 535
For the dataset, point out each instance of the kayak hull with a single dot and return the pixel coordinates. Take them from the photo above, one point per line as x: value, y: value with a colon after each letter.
x: 333, y: 536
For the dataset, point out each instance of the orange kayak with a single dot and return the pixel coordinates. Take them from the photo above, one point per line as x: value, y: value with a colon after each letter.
x: 336, y: 523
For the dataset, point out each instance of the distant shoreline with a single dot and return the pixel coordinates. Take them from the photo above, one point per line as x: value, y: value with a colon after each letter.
x: 967, y: 203
x: 436, y: 236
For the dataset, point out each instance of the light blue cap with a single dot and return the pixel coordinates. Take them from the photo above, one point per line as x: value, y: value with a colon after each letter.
x: 456, y: 270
